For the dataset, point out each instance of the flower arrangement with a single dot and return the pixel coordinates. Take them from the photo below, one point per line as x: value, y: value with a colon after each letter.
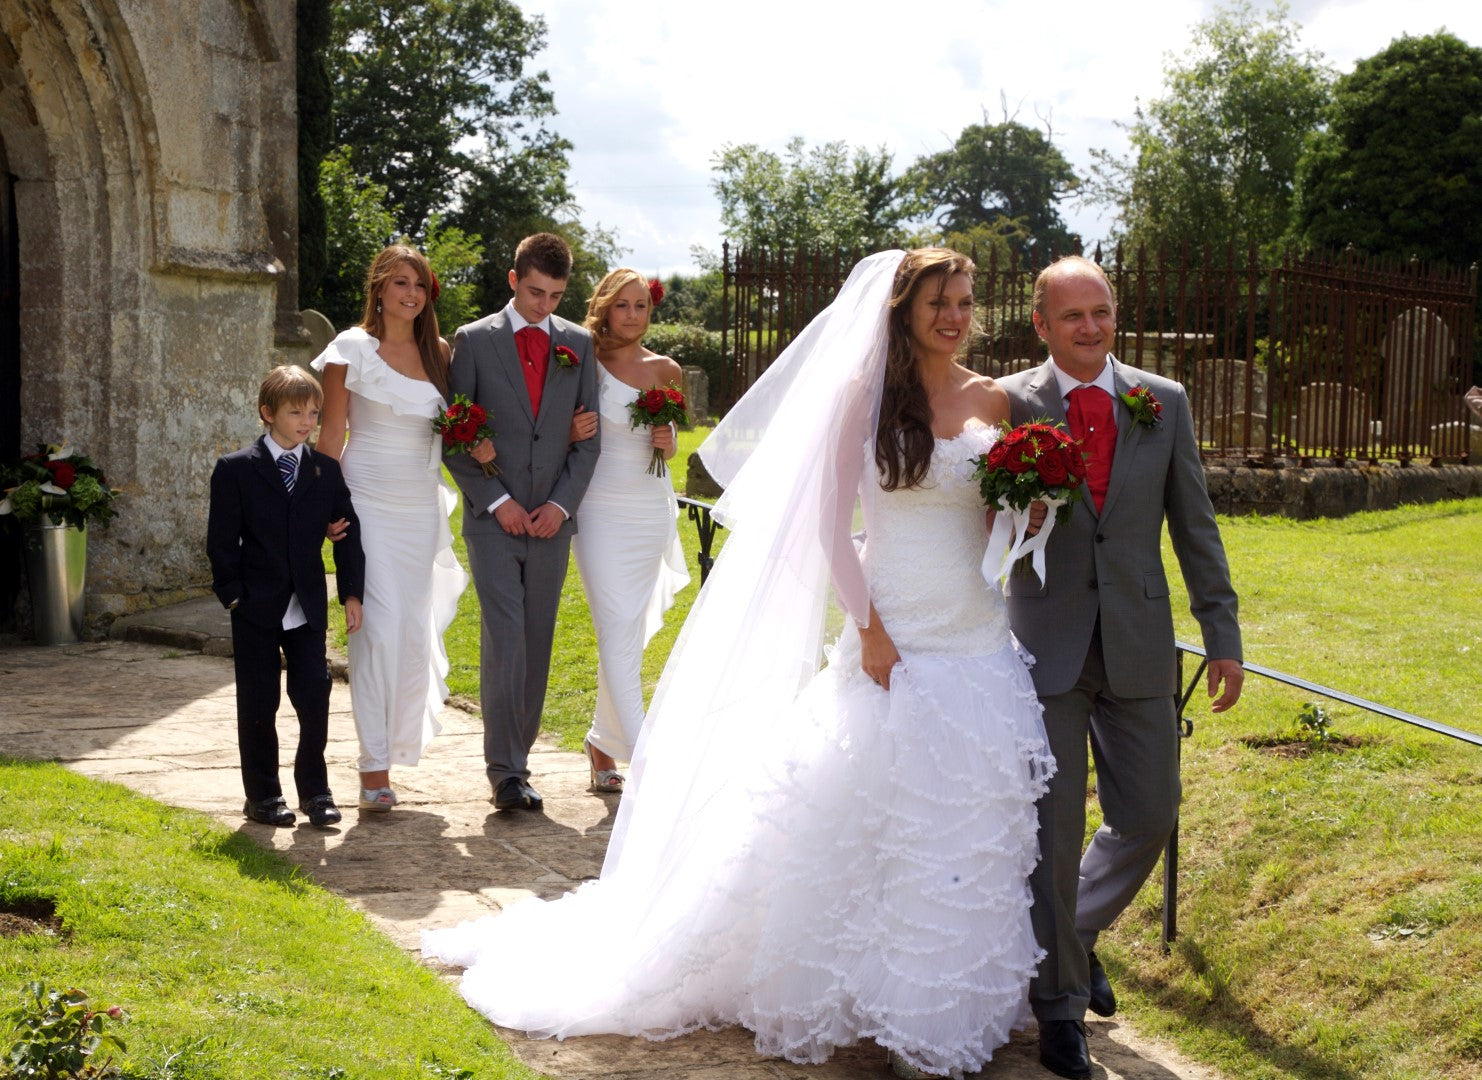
x: 463, y: 425
x: 58, y: 482
x: 565, y: 357
x: 1034, y: 462
x: 1147, y: 410
x: 659, y: 405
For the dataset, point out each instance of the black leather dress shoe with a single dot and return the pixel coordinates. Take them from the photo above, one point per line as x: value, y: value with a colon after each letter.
x: 321, y: 810
x: 1062, y: 1049
x: 1103, y: 1001
x: 272, y: 811
x: 514, y: 794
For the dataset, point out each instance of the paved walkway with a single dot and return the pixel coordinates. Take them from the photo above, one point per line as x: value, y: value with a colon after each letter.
x: 157, y: 714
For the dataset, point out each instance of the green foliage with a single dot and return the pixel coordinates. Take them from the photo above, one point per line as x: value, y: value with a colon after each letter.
x: 57, y: 1035
x: 1398, y: 170
x: 692, y: 298
x: 358, y: 225
x: 824, y: 198
x: 1003, y: 181
x: 58, y: 483
x: 315, y: 137
x: 691, y: 346
x: 1315, y: 723
x: 426, y: 89
x: 1214, y: 160
x: 455, y: 257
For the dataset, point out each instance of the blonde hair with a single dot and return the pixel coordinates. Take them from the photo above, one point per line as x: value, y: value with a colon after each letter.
x: 602, y: 300
x: 287, y: 384
x: 424, y: 330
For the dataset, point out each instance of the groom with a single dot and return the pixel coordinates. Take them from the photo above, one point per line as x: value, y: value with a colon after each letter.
x: 529, y: 369
x: 1101, y: 631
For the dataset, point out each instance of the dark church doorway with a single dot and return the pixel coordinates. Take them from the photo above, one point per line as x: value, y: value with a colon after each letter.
x: 10, y: 381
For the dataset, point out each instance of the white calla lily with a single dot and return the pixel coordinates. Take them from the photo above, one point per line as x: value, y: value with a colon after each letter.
x: 5, y: 505
x: 61, y: 453
x: 52, y: 489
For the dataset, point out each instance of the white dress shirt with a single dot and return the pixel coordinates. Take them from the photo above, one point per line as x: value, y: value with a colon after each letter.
x: 1103, y: 381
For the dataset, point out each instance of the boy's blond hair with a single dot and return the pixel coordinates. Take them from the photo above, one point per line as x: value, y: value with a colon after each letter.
x: 288, y: 384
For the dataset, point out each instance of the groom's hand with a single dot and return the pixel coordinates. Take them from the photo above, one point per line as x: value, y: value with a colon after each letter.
x: 512, y: 518
x: 546, y: 521
x: 1232, y: 675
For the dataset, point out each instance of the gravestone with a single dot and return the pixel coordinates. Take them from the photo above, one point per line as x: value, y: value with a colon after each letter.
x: 696, y: 387
x: 321, y: 330
x: 1217, y: 394
x: 1331, y: 416
x: 1418, y: 349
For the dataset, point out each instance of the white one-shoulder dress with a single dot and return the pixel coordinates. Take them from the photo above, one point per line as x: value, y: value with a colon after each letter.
x: 631, y: 563
x: 871, y: 882
x: 393, y: 467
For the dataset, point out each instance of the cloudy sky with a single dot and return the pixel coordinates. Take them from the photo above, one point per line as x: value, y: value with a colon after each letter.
x: 648, y: 92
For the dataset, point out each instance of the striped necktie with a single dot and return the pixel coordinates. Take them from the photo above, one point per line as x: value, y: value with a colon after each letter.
x: 287, y: 467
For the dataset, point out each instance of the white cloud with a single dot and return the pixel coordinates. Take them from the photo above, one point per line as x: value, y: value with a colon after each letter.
x: 648, y: 93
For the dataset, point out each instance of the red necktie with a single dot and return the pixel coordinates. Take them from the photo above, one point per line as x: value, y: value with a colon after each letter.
x: 534, y: 346
x: 1092, y: 422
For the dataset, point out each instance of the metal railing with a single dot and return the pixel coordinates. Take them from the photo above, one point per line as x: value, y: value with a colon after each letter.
x: 1186, y: 729
x: 706, y: 526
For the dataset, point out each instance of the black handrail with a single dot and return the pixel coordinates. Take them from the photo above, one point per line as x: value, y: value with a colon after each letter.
x: 699, y: 513
x: 1186, y: 729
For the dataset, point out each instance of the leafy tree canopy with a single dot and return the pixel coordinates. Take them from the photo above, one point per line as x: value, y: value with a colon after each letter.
x: 1398, y: 170
x: 1003, y: 180
x: 421, y: 85
x: 1214, y: 160
x: 825, y: 197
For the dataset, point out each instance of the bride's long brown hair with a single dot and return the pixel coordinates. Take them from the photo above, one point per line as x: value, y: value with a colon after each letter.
x: 903, y: 439
x: 424, y: 330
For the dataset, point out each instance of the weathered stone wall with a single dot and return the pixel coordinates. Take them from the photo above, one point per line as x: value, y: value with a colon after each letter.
x: 154, y: 144
x: 1336, y: 491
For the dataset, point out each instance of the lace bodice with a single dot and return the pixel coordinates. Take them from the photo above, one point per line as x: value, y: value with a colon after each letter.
x: 923, y: 554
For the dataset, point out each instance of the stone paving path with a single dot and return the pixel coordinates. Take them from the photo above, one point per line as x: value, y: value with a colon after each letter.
x: 160, y: 719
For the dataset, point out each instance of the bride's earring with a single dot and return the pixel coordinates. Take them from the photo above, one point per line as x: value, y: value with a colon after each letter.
x: 378, y: 307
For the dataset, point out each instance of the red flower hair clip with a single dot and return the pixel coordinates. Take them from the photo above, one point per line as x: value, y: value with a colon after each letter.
x: 436, y: 288
x: 655, y: 291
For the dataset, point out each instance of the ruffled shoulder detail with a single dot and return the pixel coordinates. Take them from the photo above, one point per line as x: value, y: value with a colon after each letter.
x: 371, y: 377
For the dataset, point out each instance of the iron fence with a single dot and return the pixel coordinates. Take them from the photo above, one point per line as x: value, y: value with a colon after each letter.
x: 1319, y: 356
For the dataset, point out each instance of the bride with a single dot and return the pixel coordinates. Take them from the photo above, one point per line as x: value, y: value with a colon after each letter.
x: 822, y: 856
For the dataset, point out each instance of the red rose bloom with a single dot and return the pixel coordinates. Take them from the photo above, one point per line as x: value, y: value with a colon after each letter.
x: 655, y: 291
x: 674, y: 395
x: 654, y: 400
x: 1018, y: 462
x: 476, y: 414
x: 1053, y: 469
x: 466, y: 431
x: 455, y: 412
x: 448, y: 437
x: 62, y: 474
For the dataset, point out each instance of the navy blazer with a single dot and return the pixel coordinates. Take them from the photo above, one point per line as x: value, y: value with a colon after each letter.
x: 264, y: 545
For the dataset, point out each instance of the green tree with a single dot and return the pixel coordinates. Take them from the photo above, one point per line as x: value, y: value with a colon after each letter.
x: 315, y: 132
x: 455, y: 257
x: 1215, y: 159
x: 1398, y: 169
x: 692, y: 299
x: 1004, y: 180
x: 426, y: 89
x: 357, y: 225
x: 826, y: 197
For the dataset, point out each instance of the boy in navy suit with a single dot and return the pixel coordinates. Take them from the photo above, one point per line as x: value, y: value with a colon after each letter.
x: 270, y: 506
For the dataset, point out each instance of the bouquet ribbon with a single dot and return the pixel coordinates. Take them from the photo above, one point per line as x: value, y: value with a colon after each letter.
x: 1013, y: 525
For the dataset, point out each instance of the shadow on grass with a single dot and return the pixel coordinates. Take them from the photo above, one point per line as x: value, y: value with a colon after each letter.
x: 1224, y: 1013
x: 253, y: 860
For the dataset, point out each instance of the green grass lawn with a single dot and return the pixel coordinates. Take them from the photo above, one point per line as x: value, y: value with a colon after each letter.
x: 231, y: 964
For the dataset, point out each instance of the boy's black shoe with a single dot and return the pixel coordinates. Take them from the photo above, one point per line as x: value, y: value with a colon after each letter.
x: 272, y: 811
x: 321, y: 810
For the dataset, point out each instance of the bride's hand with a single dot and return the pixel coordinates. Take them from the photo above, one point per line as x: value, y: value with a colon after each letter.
x: 877, y: 652
x: 663, y: 439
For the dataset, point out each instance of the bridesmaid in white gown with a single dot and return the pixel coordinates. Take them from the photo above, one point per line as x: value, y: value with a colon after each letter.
x: 823, y: 856
x: 627, y: 549
x: 384, y: 381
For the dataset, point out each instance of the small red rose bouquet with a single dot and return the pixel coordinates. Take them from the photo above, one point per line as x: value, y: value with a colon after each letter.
x: 1147, y: 410
x: 1034, y: 462
x: 660, y: 405
x: 462, y: 425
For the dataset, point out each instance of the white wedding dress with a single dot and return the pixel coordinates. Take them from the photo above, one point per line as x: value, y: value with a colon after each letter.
x: 867, y: 881
x: 632, y: 566
x: 393, y: 468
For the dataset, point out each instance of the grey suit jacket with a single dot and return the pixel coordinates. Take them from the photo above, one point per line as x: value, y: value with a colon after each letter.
x: 536, y: 462
x: 1111, y: 564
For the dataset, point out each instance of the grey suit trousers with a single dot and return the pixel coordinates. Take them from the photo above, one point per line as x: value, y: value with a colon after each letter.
x: 1134, y: 742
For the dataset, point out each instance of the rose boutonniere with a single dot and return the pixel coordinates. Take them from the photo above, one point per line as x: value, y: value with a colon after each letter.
x: 1147, y: 410
x: 565, y: 357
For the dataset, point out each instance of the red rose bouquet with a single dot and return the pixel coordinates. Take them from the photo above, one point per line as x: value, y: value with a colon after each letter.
x: 59, y: 483
x: 462, y: 425
x: 659, y: 405
x: 1034, y: 462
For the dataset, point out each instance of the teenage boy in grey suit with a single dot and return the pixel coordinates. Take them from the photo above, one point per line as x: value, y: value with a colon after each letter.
x: 1101, y: 631
x: 530, y: 370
